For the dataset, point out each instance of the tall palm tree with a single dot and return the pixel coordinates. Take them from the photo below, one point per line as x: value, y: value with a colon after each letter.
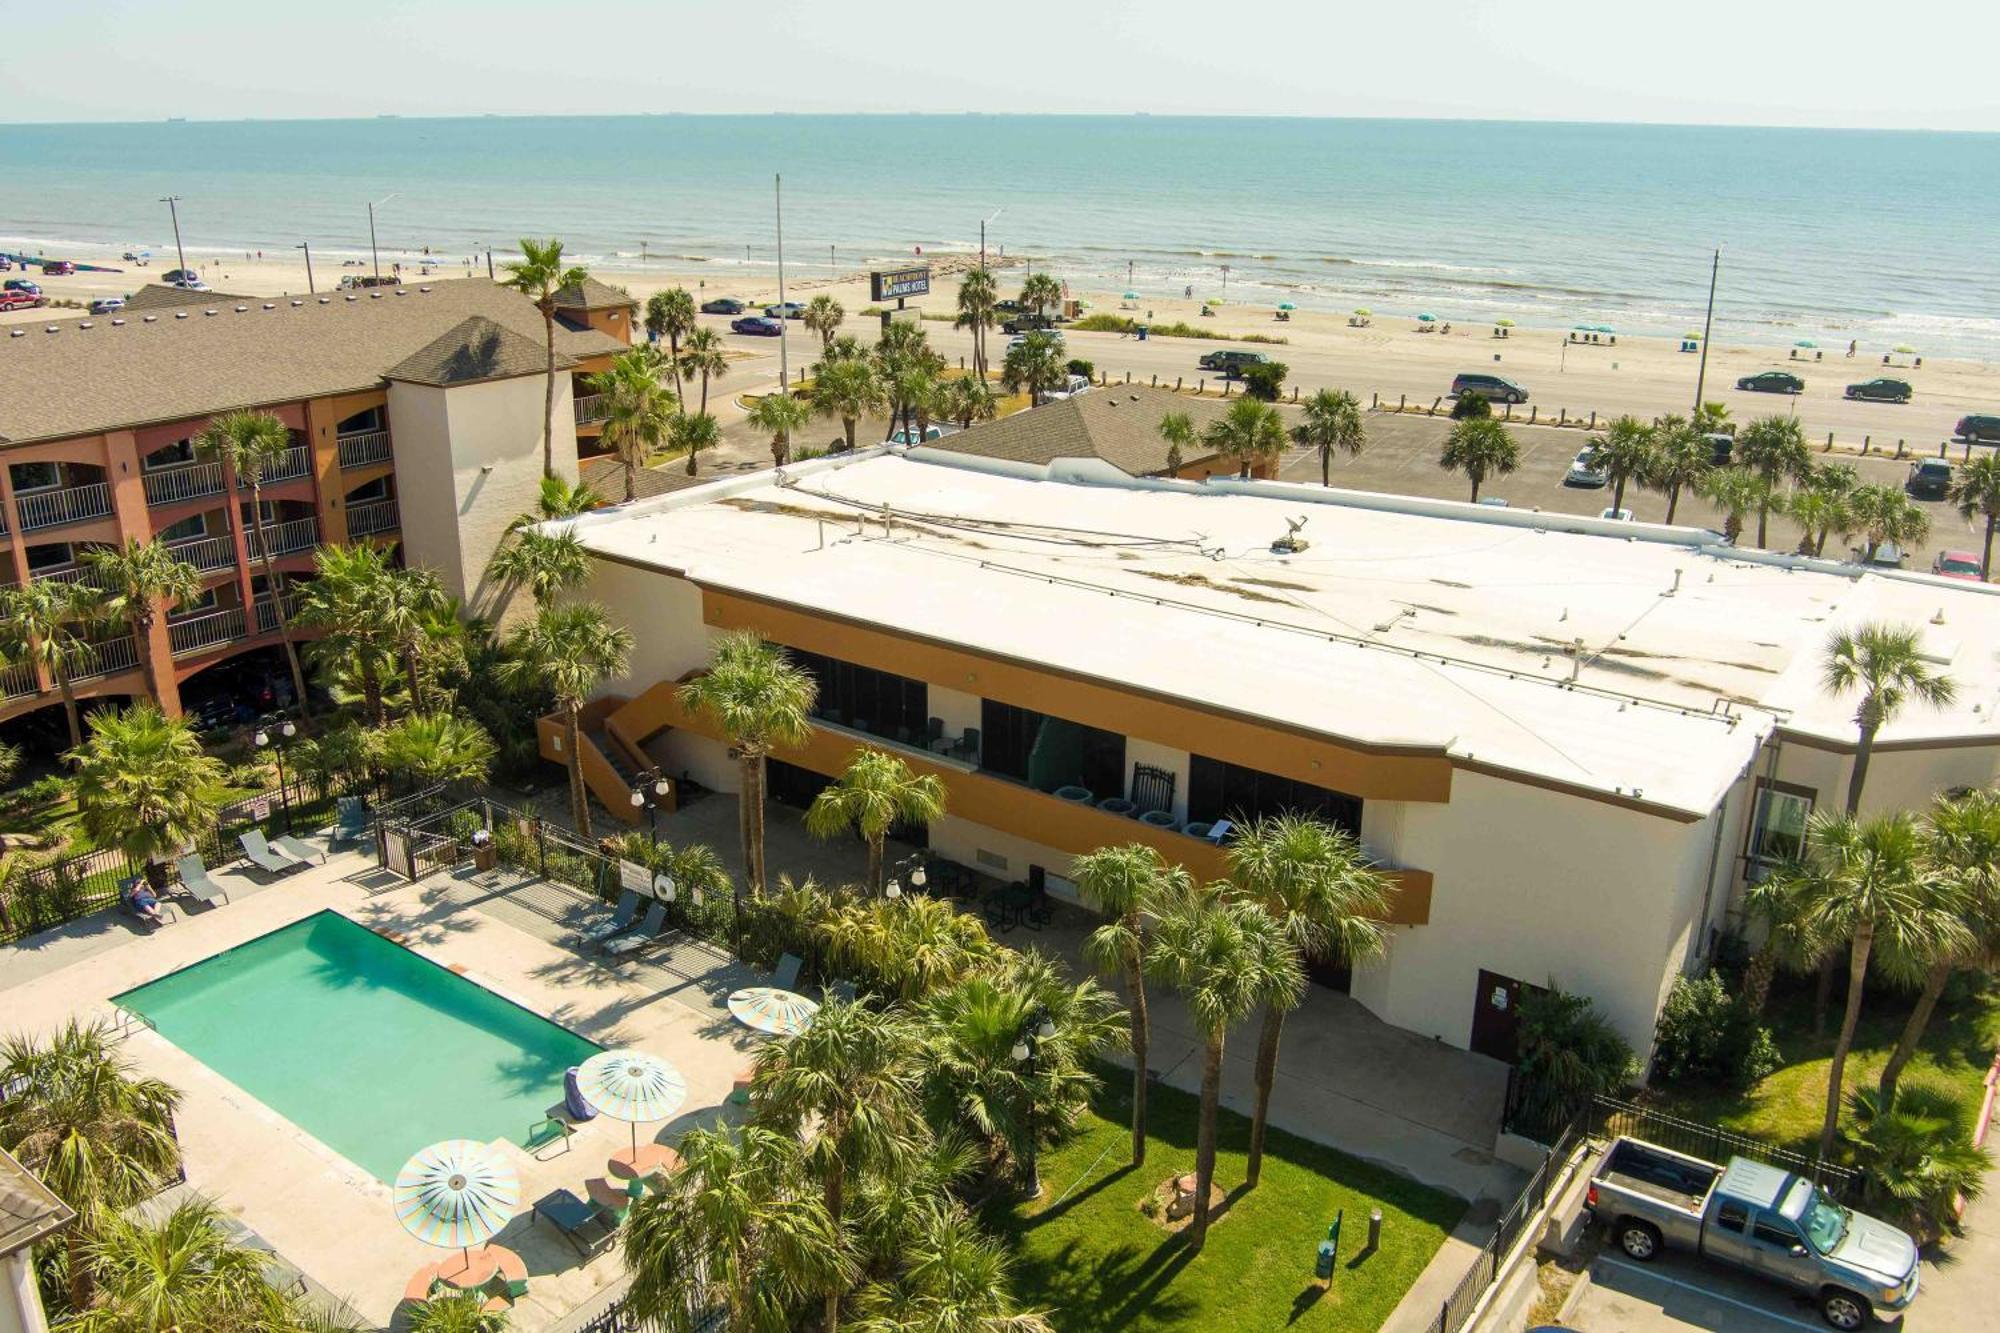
x: 637, y: 411
x: 545, y: 563
x: 144, y: 785
x: 1129, y: 886
x: 875, y: 793
x: 39, y: 621
x: 847, y: 389
x: 762, y: 700
x: 1040, y: 292
x: 739, y: 1223
x: 1773, y: 449
x: 437, y: 747
x: 1867, y: 881
x: 1736, y: 493
x: 1819, y: 512
x: 978, y: 296
x: 180, y: 1272
x: 556, y: 498
x: 90, y: 1129
x: 569, y: 650
x: 966, y: 399
x: 1035, y: 366
x: 670, y: 314
x: 690, y: 434
x: 1250, y: 432
x: 413, y: 604
x: 1332, y: 424
x: 344, y: 600
x: 1885, y: 514
x: 824, y: 316
x: 1886, y: 664
x: 139, y: 580
x: 1976, y: 493
x: 1481, y: 448
x: 540, y: 275
x: 1681, y: 458
x: 703, y: 354
x: 1177, y: 429
x: 1624, y: 452
x: 851, y: 1080
x: 952, y: 1278
x: 1781, y: 902
x: 251, y: 444
x: 1227, y: 958
x: 1712, y: 419
x: 781, y: 415
x: 1317, y: 884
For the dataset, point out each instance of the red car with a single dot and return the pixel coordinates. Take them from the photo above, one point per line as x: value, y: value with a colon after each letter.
x: 1957, y: 565
x: 18, y: 300
x: 58, y: 268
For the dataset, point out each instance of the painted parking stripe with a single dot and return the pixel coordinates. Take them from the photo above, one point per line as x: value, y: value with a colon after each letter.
x: 1706, y: 1294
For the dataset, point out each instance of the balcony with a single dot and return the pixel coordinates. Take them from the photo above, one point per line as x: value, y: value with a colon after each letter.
x: 364, y: 449
x: 267, y: 612
x: 371, y: 517
x: 19, y: 681
x: 590, y: 408
x: 107, y: 657
x: 70, y: 573
x: 205, y: 631
x: 188, y: 481
x: 298, y: 534
x: 205, y: 553
x: 294, y: 462
x: 70, y: 504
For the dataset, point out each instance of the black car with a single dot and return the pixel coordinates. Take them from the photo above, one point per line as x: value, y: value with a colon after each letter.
x: 723, y: 305
x: 1722, y: 447
x: 1881, y: 390
x: 1979, y: 429
x: 1929, y: 480
x: 757, y: 326
x: 1772, y: 381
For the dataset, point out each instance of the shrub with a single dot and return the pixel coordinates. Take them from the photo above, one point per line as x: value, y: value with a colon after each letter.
x: 1078, y: 366
x: 1104, y: 324
x: 44, y: 790
x: 1706, y: 1035
x: 1470, y: 405
x: 1569, y: 1053
x: 1265, y: 380
x: 1916, y: 1156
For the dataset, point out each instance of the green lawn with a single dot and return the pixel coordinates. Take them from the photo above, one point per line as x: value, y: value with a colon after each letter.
x: 1787, y: 1107
x: 1085, y: 1253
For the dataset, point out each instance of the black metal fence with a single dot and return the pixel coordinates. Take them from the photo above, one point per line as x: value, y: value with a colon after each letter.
x: 1527, y: 1206
x: 1610, y: 1118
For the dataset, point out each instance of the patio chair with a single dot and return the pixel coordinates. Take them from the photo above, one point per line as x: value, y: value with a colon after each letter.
x: 196, y: 884
x: 649, y: 930
x: 968, y: 745
x: 786, y: 975
x: 352, y: 821
x: 573, y: 1217
x: 843, y: 991
x: 287, y: 845
x: 264, y: 856
x: 617, y: 923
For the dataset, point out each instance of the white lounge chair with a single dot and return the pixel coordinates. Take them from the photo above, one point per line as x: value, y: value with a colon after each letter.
x: 287, y: 845
x: 265, y: 856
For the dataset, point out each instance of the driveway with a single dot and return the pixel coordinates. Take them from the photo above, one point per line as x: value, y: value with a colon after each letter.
x: 1675, y: 1294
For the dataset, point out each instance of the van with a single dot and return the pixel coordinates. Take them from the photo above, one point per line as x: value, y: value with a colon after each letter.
x: 1492, y: 388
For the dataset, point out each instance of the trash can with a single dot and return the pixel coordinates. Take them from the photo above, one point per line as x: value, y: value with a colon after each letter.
x: 1141, y: 331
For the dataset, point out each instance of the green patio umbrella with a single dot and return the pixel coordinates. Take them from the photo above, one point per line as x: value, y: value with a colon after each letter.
x: 456, y: 1194
x: 1130, y: 296
x: 631, y: 1086
x: 1693, y: 335
x: 1504, y: 323
x: 1363, y: 311
x: 1427, y: 318
x: 1904, y: 349
x: 1602, y: 328
x: 1286, y: 305
x: 1805, y: 342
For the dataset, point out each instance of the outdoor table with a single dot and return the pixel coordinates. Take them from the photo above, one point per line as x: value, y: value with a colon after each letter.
x: 477, y: 1267
x: 606, y: 1194
x: 648, y: 1159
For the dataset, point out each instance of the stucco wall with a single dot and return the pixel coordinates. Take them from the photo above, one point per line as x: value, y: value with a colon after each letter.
x: 427, y: 496
x: 1897, y: 779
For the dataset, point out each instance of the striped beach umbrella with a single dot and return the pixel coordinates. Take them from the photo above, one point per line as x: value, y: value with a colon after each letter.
x: 768, y: 1009
x: 632, y: 1086
x: 456, y: 1194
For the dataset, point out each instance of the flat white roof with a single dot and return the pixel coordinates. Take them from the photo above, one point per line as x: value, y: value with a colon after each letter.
x: 1403, y: 623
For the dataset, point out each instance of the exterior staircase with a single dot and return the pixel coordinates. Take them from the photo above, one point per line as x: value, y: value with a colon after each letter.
x: 610, y: 764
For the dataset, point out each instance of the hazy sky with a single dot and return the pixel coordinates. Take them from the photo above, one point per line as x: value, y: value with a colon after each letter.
x: 1923, y: 65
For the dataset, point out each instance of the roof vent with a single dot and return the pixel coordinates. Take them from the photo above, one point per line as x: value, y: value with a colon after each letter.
x: 328, y: 300
x: 180, y: 314
x: 153, y: 319
x: 210, y: 312
x: 423, y: 289
x: 374, y: 296
x: 51, y: 329
x: 352, y: 297
x: 85, y: 324
x: 240, y: 309
x: 1132, y: 397
x: 269, y: 306
x: 297, y: 304
x: 400, y: 292
x: 18, y: 333
x: 117, y: 323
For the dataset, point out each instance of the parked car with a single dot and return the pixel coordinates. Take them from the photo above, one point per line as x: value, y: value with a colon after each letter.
x: 1882, y: 390
x: 1928, y: 480
x: 1028, y: 324
x: 356, y: 281
x: 723, y: 305
x: 1583, y: 472
x: 1957, y: 565
x: 1231, y: 364
x: 1979, y: 429
x: 1020, y: 339
x: 105, y: 305
x: 1617, y: 515
x: 1772, y: 381
x: 190, y: 285
x: 757, y: 326
x: 1722, y: 448
x: 58, y: 268
x: 786, y: 310
x: 1888, y: 555
x: 28, y: 285
x: 1492, y: 388
x: 1075, y: 385
x: 1753, y: 1216
x: 937, y: 430
x: 17, y: 300
x: 175, y: 277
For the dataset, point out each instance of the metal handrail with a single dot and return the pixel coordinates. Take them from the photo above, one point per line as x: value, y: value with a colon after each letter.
x: 108, y: 657
x: 294, y: 462
x: 371, y: 517
x: 70, y: 504
x: 589, y: 408
x: 205, y: 631
x: 188, y: 481
x: 205, y: 553
x: 364, y: 448
x: 295, y: 534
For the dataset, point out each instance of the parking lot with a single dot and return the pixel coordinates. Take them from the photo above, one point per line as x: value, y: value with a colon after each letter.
x: 1675, y: 1293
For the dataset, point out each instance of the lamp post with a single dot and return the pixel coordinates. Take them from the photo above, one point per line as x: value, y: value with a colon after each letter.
x: 307, y: 247
x: 911, y: 868
x: 172, y: 202
x: 1707, y: 326
x: 286, y: 730
x: 373, y: 254
x: 1038, y: 1029
x: 648, y: 790
x: 982, y: 236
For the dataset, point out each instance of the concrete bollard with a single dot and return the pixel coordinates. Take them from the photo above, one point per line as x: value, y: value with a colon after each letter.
x: 1899, y: 451
x: 1434, y: 404
x: 1295, y: 393
x: 1128, y: 377
x: 1177, y: 384
x: 1225, y: 388
x: 1531, y: 413
x: 1402, y: 401
x: 1593, y: 420
x: 1865, y: 441
x: 1507, y: 413
x: 1156, y: 380
x: 1563, y: 420
x: 1374, y: 401
x: 1942, y: 446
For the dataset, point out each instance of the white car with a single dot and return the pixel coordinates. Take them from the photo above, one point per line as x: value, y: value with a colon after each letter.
x: 1582, y: 473
x: 1021, y: 339
x: 104, y: 305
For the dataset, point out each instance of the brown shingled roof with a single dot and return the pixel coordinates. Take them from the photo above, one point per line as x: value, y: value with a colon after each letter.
x: 159, y: 296
x: 606, y: 475
x: 476, y: 349
x: 1119, y: 424
x: 593, y: 295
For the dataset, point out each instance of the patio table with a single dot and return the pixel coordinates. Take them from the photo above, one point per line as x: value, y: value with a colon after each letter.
x: 648, y: 1159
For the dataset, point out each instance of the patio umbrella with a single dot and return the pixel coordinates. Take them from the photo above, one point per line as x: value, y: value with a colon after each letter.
x: 632, y: 1086
x: 768, y: 1009
x: 1363, y: 311
x: 1805, y: 342
x: 1427, y: 319
x: 1504, y: 323
x: 1904, y: 349
x: 456, y: 1194
x: 1286, y: 305
x: 1130, y: 296
x: 1692, y: 335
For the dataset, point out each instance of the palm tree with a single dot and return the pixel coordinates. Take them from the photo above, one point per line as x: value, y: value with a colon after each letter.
x: 1035, y: 366
x: 412, y: 607
x: 251, y: 444
x: 1918, y: 1164
x: 875, y: 793
x: 1867, y: 882
x: 1626, y: 451
x: 1886, y: 663
x: 739, y: 1223
x: 139, y: 580
x: 545, y: 563
x: 1317, y: 884
x: 1129, y: 886
x: 1227, y: 958
x: 1781, y: 903
x: 1332, y: 425
x: 1039, y: 292
x: 1736, y: 493
x: 846, y: 347
x: 39, y: 621
x: 1774, y: 450
x: 144, y: 785
x: 702, y: 354
x: 637, y: 411
x: 1976, y: 493
x: 1480, y: 447
x: 824, y: 316
x: 953, y: 1278
x: 540, y: 276
x: 847, y: 389
x: 978, y: 295
x: 1884, y: 514
x: 569, y: 650
x: 1681, y: 458
x: 437, y: 747
x: 762, y: 700
x: 670, y: 314
x: 691, y: 433
x: 966, y: 399
x: 1819, y: 512
x: 344, y: 600
x: 852, y: 1078
x: 1711, y: 419
x: 783, y: 415
x: 557, y: 498
x: 1177, y: 429
x: 1250, y: 432
x: 91, y: 1130
x: 181, y: 1272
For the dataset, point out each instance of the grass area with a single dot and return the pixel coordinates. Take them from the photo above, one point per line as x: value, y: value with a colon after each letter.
x: 1105, y: 323
x: 1786, y: 1108
x: 1086, y: 1254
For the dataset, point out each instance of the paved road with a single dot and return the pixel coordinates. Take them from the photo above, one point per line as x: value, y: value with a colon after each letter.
x: 1675, y: 1294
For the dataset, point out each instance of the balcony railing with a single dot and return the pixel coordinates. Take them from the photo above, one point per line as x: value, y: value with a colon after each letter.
x: 19, y: 680
x: 108, y: 657
x: 188, y: 481
x: 205, y: 553
x: 371, y: 517
x: 205, y: 631
x: 364, y: 449
x: 590, y: 408
x: 71, y: 504
x: 267, y: 612
x: 71, y: 573
x: 294, y: 462
x: 298, y: 534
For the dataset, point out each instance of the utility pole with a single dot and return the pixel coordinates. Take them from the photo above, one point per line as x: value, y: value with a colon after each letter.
x: 307, y: 247
x: 172, y: 202
x: 832, y: 264
x: 1707, y: 324
x: 982, y: 236
x: 373, y: 253
x: 784, y: 320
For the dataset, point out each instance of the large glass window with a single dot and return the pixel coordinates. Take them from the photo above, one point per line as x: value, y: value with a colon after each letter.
x: 35, y: 476
x: 1050, y: 752
x: 1221, y: 790
x: 880, y: 703
x: 1779, y: 831
x: 194, y: 525
x: 172, y: 455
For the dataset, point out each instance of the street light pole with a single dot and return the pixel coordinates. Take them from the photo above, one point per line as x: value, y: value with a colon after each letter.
x: 1038, y: 1029
x: 648, y: 790
x: 172, y: 202
x: 784, y: 315
x: 276, y: 745
x: 982, y: 236
x: 307, y: 247
x: 373, y: 254
x: 1707, y: 323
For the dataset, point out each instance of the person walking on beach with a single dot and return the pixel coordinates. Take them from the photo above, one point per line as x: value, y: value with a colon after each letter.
x: 1852, y: 345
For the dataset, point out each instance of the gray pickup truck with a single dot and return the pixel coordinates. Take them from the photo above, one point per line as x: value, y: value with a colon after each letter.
x: 1755, y: 1217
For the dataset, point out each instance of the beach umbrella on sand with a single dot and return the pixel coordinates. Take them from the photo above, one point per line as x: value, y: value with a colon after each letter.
x: 1286, y: 305
x: 1504, y: 323
x: 1904, y: 349
x: 456, y: 1194
x: 1129, y: 296
x: 1805, y: 342
x: 1427, y: 318
x: 1692, y: 335
x: 1363, y: 311
x: 632, y: 1086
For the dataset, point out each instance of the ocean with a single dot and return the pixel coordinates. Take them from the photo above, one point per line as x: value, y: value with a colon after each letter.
x: 1826, y: 234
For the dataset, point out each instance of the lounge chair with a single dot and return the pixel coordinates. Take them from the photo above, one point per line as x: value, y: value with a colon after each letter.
x: 573, y: 1217
x: 286, y: 845
x: 352, y: 825
x: 163, y: 911
x: 786, y: 974
x: 266, y: 857
x: 842, y: 991
x: 649, y: 930
x: 196, y: 884
x: 617, y: 923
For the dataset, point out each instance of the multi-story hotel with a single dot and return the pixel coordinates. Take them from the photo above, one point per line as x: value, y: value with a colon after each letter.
x: 1569, y: 740
x: 415, y: 416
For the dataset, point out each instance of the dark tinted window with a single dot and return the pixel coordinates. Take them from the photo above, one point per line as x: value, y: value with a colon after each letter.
x: 1732, y: 1217
x: 1774, y: 1232
x: 880, y: 703
x: 1219, y: 790
x: 1050, y: 752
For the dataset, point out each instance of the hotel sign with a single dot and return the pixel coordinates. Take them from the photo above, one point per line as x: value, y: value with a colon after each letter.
x: 894, y: 284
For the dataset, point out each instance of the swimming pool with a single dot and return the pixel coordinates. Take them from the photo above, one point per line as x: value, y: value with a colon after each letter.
x: 370, y: 1048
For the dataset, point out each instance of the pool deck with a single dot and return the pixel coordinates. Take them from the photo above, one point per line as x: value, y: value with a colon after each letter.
x: 323, y: 1213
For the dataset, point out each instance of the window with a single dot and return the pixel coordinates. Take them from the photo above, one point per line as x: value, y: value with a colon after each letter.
x: 1050, y: 752
x: 1221, y: 790
x: 194, y: 606
x: 194, y: 525
x: 173, y: 455
x: 361, y: 422
x: 880, y: 703
x: 1772, y: 1231
x: 377, y: 489
x: 36, y: 476
x: 50, y: 555
x: 1778, y: 833
x: 1732, y: 1216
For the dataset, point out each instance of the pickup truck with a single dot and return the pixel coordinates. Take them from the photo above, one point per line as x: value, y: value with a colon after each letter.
x: 1757, y: 1217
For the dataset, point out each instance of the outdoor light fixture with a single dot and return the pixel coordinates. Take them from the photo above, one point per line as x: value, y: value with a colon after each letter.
x: 638, y: 799
x: 1020, y: 1052
x: 918, y: 878
x: 1047, y: 1029
x: 892, y: 890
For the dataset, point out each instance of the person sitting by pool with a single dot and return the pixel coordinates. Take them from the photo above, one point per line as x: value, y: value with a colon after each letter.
x: 146, y: 904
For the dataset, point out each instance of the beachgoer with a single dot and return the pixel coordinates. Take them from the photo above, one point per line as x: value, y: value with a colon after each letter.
x: 1187, y: 293
x: 146, y: 904
x: 1852, y: 345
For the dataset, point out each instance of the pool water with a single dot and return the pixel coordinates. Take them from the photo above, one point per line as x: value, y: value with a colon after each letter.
x: 372, y: 1049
